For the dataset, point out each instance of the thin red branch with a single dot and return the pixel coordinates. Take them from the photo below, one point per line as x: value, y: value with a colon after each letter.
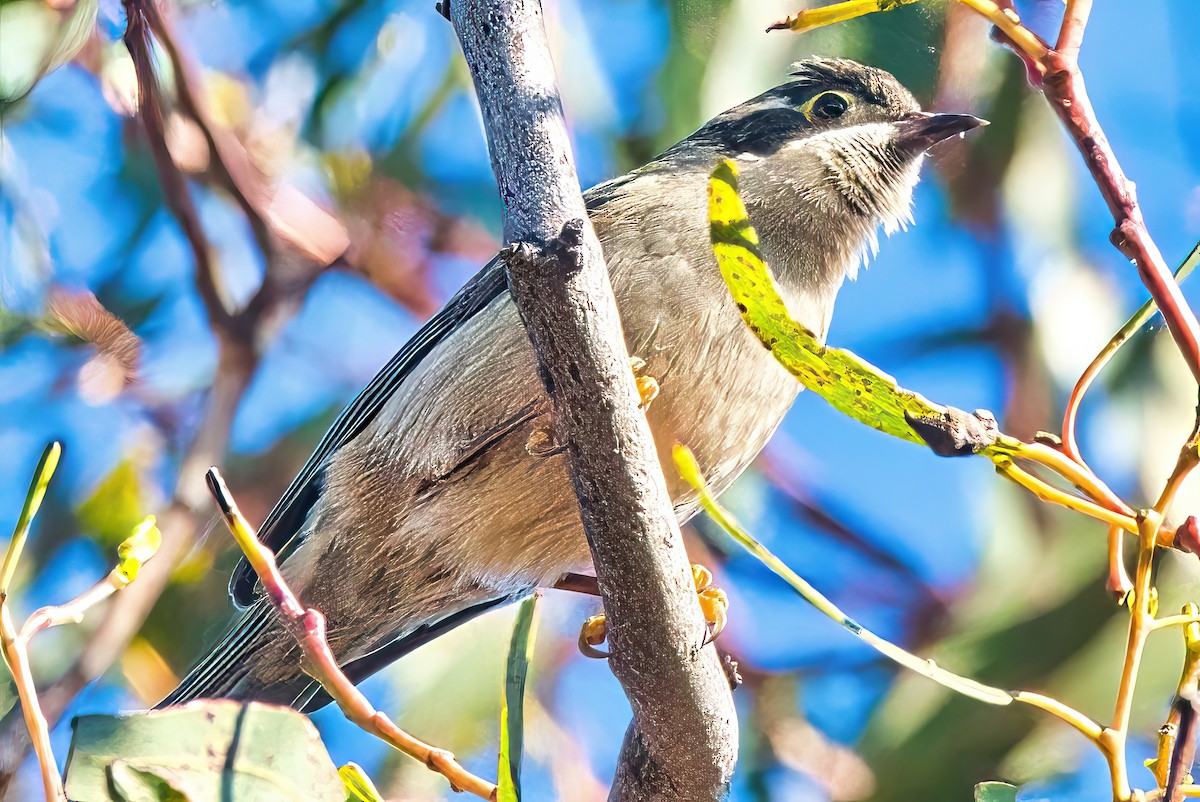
x: 1064, y: 87
x: 1070, y: 35
x: 151, y: 111
x: 307, y: 626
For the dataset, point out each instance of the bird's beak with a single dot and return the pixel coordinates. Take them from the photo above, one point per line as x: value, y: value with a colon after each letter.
x: 922, y: 130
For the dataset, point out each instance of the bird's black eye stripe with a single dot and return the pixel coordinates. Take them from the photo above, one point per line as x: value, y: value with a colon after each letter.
x: 761, y: 132
x: 828, y: 106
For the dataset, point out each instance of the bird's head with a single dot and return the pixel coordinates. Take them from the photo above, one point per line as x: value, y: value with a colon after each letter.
x: 843, y: 138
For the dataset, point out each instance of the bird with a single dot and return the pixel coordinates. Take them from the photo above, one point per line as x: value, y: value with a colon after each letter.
x: 440, y: 493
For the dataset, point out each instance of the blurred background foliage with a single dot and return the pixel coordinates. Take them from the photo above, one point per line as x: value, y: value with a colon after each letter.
x: 352, y: 195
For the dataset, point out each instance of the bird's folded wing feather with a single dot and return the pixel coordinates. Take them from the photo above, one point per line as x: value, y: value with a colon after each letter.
x: 284, y: 523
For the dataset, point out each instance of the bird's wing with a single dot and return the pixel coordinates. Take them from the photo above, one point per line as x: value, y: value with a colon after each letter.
x: 284, y: 523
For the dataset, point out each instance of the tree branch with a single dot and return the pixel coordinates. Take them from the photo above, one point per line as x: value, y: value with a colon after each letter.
x: 682, y: 743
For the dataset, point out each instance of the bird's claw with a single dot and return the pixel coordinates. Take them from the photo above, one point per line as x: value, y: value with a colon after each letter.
x: 592, y: 634
x: 714, y: 603
x: 647, y: 386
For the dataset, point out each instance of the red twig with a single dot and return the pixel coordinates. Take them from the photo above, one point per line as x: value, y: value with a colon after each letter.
x: 307, y: 626
x: 1063, y: 86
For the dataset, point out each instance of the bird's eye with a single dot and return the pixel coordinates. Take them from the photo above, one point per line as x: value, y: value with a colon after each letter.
x: 827, y: 106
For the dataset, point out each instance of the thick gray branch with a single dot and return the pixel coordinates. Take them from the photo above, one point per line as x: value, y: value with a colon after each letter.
x: 682, y: 743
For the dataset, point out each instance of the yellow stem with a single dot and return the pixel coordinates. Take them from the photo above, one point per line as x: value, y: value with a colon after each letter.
x: 1174, y: 621
x: 1010, y: 24
x: 1189, y: 457
x: 1085, y: 725
x: 1047, y: 492
x: 1141, y: 622
x: 1077, y: 474
x: 1118, y: 578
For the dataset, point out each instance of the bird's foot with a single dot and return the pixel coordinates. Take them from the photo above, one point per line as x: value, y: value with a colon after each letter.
x: 714, y: 603
x: 647, y: 386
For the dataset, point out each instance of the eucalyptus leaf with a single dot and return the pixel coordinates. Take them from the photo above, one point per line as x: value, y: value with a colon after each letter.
x: 36, y: 39
x: 208, y: 750
x: 512, y: 710
x: 852, y: 386
x: 995, y: 792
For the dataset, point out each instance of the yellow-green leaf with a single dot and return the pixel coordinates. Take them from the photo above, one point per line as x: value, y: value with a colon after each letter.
x: 811, y: 18
x: 854, y: 387
x: 33, y: 501
x: 359, y: 787
x: 512, y: 709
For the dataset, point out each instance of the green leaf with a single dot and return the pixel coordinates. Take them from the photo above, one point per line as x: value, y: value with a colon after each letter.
x: 33, y: 501
x: 852, y: 386
x: 207, y: 750
x: 512, y: 710
x: 359, y: 787
x: 995, y: 792
x: 36, y: 39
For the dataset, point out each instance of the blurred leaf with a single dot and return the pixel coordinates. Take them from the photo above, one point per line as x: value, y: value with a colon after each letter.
x: 995, y: 792
x: 33, y: 501
x: 115, y: 507
x: 36, y: 38
x: 694, y: 28
x: 206, y: 750
x: 1027, y: 622
x: 12, y: 327
x: 359, y: 787
x: 512, y: 709
x: 138, y: 548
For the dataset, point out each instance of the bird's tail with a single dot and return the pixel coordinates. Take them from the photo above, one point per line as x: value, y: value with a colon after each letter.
x: 248, y: 664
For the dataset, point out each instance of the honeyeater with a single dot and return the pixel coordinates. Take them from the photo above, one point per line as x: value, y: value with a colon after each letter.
x: 439, y: 493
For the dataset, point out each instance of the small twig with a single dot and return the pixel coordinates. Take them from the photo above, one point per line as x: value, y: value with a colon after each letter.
x: 16, y: 657
x: 307, y: 626
x: 1070, y: 35
x: 1047, y: 492
x: 1123, y: 335
x: 1141, y: 623
x: 1177, y: 737
x: 1076, y: 473
x: 136, y: 549
x: 1189, y: 458
x: 174, y: 185
x: 1118, y: 582
x: 811, y: 18
x: 1090, y: 729
x: 185, y: 78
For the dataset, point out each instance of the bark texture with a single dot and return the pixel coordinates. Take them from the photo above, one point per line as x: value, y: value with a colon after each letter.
x: 682, y: 742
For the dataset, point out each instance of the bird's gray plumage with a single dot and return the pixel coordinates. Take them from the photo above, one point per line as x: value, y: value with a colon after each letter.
x: 439, y: 492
